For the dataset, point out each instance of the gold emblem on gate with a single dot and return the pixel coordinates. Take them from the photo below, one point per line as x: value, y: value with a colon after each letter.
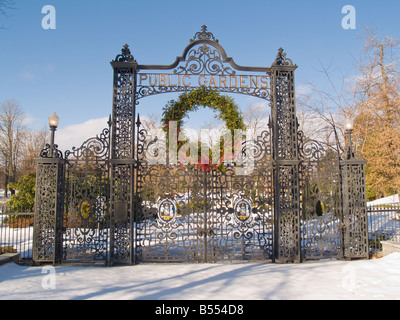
x: 167, y: 211
x: 242, y: 210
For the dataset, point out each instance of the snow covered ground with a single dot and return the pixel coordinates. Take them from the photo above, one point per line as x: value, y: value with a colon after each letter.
x: 373, y: 279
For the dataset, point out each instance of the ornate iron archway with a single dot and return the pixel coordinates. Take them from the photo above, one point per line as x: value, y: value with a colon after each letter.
x: 117, y: 207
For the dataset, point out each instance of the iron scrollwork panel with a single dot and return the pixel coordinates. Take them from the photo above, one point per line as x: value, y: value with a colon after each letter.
x: 48, y: 211
x: 123, y: 113
x: 355, y: 220
x: 241, y: 209
x: 203, y: 56
x: 121, y: 213
x: 284, y: 116
x: 86, y: 219
x: 287, y: 222
x: 321, y: 202
x: 191, y: 214
x: 170, y: 214
x: 241, y: 215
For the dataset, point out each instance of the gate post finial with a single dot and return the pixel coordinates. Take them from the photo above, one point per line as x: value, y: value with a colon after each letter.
x: 203, y: 35
x: 125, y: 55
x: 281, y: 59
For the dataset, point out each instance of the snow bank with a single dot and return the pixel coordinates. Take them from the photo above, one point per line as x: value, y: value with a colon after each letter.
x: 391, y: 200
x: 373, y: 279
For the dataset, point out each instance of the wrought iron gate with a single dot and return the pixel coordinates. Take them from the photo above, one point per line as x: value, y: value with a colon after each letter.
x: 86, y: 219
x: 204, y: 214
x: 112, y: 201
x: 321, y: 205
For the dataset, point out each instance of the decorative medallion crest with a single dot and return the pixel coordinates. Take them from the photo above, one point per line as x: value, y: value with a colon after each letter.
x: 167, y: 211
x: 242, y: 211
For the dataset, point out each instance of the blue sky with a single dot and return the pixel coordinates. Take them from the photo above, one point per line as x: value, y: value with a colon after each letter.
x: 67, y: 70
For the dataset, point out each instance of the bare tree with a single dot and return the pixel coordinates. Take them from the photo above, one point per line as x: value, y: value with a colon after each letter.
x: 152, y: 125
x: 322, y: 112
x: 34, y: 142
x: 256, y: 118
x: 11, y: 138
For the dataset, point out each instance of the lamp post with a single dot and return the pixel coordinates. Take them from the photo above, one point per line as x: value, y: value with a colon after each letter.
x: 53, y: 124
x: 49, y: 202
x: 348, y: 127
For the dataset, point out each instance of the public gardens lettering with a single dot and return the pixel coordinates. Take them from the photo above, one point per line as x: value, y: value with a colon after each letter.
x: 212, y: 81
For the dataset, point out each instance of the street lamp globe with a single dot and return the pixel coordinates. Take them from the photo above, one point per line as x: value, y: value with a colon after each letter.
x: 349, y: 125
x: 53, y: 120
x: 53, y: 123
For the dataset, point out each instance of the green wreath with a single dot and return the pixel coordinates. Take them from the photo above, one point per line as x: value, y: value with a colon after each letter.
x: 227, y: 110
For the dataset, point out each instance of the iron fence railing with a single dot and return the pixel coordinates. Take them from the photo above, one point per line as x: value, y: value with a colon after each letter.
x: 383, y: 225
x: 16, y: 232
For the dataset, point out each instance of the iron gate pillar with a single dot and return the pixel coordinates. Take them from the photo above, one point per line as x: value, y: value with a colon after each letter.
x: 49, y: 207
x: 286, y: 162
x: 122, y: 159
x: 355, y: 218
